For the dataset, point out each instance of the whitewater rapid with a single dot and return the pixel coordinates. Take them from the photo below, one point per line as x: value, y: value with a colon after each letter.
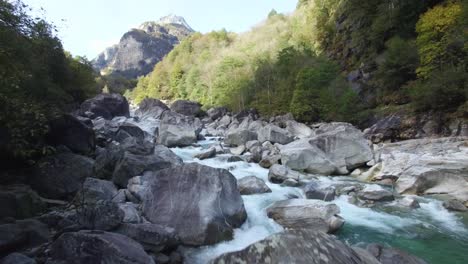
x: 387, y: 219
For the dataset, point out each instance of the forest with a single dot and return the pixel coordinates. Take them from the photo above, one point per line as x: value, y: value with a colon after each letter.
x: 38, y: 81
x: 410, y: 53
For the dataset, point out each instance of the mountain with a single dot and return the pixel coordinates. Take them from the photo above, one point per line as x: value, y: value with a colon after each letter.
x: 141, y: 48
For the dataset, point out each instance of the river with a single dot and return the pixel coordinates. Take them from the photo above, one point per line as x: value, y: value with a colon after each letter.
x: 430, y: 232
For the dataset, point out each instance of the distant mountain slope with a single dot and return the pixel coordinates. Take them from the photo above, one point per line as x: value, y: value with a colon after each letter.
x: 141, y: 48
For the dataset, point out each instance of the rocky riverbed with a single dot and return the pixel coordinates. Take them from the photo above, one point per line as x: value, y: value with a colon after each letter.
x: 175, y: 185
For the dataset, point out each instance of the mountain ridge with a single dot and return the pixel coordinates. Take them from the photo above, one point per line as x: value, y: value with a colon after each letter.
x: 139, y: 49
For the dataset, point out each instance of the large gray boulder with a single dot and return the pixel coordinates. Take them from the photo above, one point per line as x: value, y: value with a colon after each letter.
x: 21, y: 235
x: 100, y: 215
x: 313, y: 190
x: 152, y: 237
x: 96, y: 190
x: 152, y: 107
x: 238, y: 135
x: 201, y: 203
x: 303, y: 213
x: 375, y: 193
x: 280, y: 173
x: 61, y: 175
x: 96, y: 247
x: 177, y: 130
x: 131, y: 165
x: 107, y: 106
x: 69, y: 131
x: 19, y: 202
x: 426, y: 166
x: 187, y: 108
x: 337, y: 148
x: 252, y: 185
x: 295, y: 246
x: 274, y: 134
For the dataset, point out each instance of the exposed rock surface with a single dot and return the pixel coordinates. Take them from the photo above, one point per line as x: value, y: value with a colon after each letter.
x: 107, y: 106
x: 94, y: 190
x: 140, y: 49
x: 60, y: 176
x: 69, y: 131
x: 100, y: 215
x: 308, y: 214
x: 210, y: 153
x: 455, y: 205
x: 177, y: 130
x: 131, y: 165
x: 279, y: 173
x: 201, y: 203
x: 153, y: 237
x: 252, y: 185
x: 295, y: 246
x: 426, y: 166
x: 313, y: 190
x: 336, y: 149
x: 187, y: 108
x: 97, y: 247
x: 274, y: 134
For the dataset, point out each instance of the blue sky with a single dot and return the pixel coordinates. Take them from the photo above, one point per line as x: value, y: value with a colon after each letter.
x: 86, y: 27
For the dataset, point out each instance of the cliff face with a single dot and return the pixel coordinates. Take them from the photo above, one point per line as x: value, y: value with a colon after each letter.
x: 141, y: 48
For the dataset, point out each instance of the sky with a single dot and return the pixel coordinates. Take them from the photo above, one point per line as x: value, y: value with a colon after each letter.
x: 87, y: 27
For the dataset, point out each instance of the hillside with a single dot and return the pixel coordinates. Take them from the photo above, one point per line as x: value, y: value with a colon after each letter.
x: 141, y: 48
x: 329, y: 60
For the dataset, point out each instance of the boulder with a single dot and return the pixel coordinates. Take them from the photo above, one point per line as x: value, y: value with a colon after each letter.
x: 85, y: 247
x: 96, y: 190
x: 295, y: 246
x: 251, y: 144
x: 177, y: 130
x: 130, y: 213
x: 239, y: 137
x: 19, y: 202
x: 279, y: 173
x: 131, y: 165
x: 309, y: 214
x: 455, y: 205
x: 392, y: 256
x: 101, y: 215
x: 274, y: 134
x: 252, y: 185
x: 313, y: 190
x: 201, y: 203
x: 337, y: 148
x: 107, y: 106
x: 426, y: 166
x: 126, y: 130
x: 251, y: 112
x: 238, y: 150
x: 166, y: 154
x: 298, y: 130
x: 17, y: 258
x: 187, y: 108
x: 152, y: 237
x: 375, y: 193
x: 61, y: 175
x: 217, y: 112
x: 21, y: 235
x: 68, y: 131
x: 234, y: 159
x: 149, y: 105
x: 269, y: 160
x: 208, y: 154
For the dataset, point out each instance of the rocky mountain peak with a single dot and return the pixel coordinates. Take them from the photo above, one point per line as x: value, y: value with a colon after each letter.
x: 141, y: 48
